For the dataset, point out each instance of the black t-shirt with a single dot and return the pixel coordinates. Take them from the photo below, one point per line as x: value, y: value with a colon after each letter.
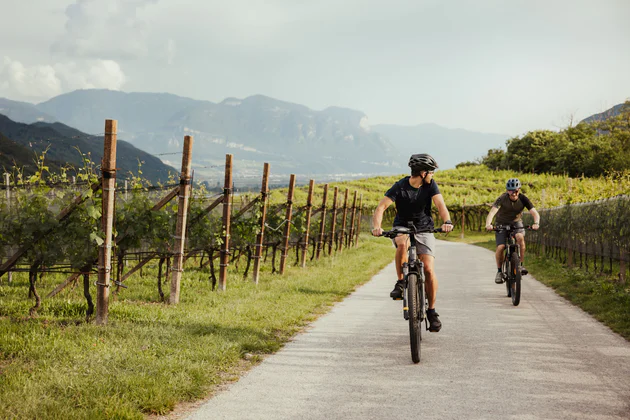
x: 511, y: 211
x: 413, y: 204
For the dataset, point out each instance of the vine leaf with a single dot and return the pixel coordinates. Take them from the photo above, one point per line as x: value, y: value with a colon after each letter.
x: 94, y: 237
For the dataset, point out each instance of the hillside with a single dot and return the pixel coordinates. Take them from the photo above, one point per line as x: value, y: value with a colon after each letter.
x: 602, y: 116
x: 13, y: 155
x: 480, y: 185
x: 23, y: 112
x: 64, y: 143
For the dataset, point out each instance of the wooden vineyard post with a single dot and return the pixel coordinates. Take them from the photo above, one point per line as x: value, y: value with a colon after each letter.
x: 570, y: 252
x: 623, y: 258
x: 108, y: 171
x: 352, y: 219
x: 358, y: 229
x: 333, y: 222
x: 287, y: 227
x: 7, y: 185
x: 463, y: 219
x: 342, y: 239
x: 227, y: 211
x: 264, y: 190
x: 182, y: 215
x: 309, y: 210
x: 322, y: 223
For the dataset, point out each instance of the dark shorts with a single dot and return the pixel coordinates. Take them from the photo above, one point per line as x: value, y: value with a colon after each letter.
x: 501, y: 236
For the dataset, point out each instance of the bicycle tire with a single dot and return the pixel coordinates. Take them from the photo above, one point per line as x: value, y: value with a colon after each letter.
x: 516, y: 279
x: 506, y: 272
x: 415, y: 324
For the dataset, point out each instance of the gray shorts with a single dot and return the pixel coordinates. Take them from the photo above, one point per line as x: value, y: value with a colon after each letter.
x: 425, y: 243
x: 500, y: 237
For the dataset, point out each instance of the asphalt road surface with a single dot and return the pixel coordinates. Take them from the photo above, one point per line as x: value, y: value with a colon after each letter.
x: 544, y: 359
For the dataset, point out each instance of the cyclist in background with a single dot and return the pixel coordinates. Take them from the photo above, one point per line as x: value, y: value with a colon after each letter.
x: 509, y: 208
x: 413, y: 196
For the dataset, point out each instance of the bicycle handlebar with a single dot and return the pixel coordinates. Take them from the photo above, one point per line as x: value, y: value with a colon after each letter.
x: 405, y: 231
x: 508, y: 228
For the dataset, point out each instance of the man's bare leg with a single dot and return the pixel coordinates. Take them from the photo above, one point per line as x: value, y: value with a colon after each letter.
x: 520, y: 240
x: 499, y: 255
x: 402, y: 244
x: 430, y: 279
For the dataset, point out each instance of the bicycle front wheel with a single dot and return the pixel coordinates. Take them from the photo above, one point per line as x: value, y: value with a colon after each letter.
x: 508, y: 276
x: 415, y: 323
x: 516, y: 279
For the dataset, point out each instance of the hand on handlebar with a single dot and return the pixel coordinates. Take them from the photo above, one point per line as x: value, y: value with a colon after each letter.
x: 489, y: 227
x: 377, y: 232
x: 447, y: 227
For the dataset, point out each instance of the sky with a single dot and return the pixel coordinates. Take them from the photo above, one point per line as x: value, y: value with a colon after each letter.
x: 493, y: 66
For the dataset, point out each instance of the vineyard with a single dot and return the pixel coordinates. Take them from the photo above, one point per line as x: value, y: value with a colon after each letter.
x: 594, y: 236
x: 51, y: 224
x: 470, y: 191
x: 48, y: 225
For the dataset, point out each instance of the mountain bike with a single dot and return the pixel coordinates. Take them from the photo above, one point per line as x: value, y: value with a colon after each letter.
x: 511, y: 266
x: 415, y: 301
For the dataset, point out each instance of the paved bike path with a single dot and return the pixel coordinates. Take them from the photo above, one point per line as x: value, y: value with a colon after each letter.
x: 544, y: 359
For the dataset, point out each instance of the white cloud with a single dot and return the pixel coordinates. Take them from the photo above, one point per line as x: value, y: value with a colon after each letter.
x: 21, y: 82
x: 39, y: 82
x: 91, y: 74
x: 104, y: 30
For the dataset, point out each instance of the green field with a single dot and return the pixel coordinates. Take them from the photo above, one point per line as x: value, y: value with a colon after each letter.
x: 480, y: 185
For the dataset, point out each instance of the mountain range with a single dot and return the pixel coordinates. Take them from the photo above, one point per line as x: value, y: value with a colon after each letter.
x: 23, y: 143
x: 291, y: 137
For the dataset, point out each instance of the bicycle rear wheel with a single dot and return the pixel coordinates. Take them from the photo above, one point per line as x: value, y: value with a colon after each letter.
x: 415, y: 325
x: 516, y: 279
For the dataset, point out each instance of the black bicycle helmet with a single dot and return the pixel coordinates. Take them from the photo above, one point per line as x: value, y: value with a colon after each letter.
x: 422, y: 161
x: 513, y: 184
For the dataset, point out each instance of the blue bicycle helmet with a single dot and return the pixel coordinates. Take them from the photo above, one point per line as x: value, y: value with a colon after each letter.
x: 513, y: 184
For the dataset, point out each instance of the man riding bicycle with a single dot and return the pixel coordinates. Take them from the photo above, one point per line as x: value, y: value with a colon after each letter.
x: 509, y: 208
x: 413, y: 196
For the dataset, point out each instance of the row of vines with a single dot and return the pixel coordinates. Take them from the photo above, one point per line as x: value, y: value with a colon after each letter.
x: 594, y: 236
x: 48, y: 229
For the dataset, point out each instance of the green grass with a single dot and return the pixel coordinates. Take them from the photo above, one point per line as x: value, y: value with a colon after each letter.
x: 152, y: 356
x: 598, y: 294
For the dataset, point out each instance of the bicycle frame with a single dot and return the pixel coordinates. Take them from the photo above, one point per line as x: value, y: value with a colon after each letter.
x: 415, y: 301
x: 413, y: 265
x: 510, y: 265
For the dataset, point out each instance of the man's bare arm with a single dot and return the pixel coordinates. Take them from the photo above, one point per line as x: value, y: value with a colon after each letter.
x: 491, y: 214
x: 438, y: 200
x: 377, y: 217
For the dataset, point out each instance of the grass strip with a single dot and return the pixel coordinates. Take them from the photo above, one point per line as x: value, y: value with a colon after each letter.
x: 152, y: 356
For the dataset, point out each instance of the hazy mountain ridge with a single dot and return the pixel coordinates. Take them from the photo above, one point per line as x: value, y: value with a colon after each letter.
x: 293, y: 137
x: 611, y: 112
x: 65, y: 145
x: 256, y: 129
